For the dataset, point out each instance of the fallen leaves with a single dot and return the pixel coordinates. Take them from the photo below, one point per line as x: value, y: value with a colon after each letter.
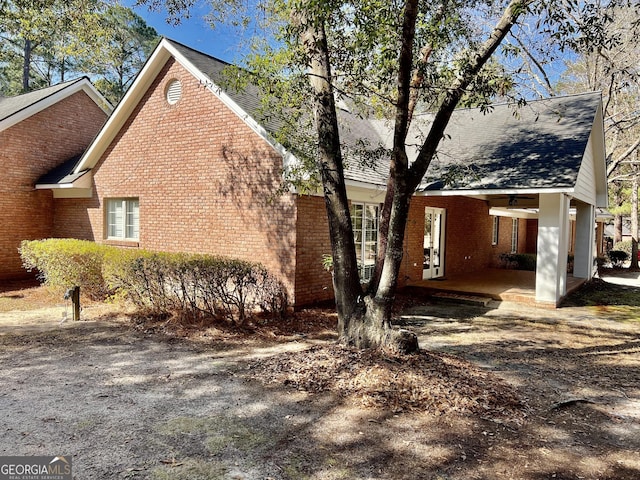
x: 427, y: 381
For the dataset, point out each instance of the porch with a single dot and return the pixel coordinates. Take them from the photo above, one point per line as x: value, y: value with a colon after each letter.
x: 498, y: 284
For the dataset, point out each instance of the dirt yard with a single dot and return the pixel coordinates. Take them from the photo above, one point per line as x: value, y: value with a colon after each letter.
x: 500, y: 393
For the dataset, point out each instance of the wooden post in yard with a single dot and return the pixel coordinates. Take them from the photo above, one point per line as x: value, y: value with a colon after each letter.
x: 75, y: 301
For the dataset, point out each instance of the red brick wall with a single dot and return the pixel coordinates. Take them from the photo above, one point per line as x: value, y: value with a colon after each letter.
x: 28, y: 150
x: 503, y: 246
x: 468, y: 236
x: 532, y: 236
x: 205, y: 181
x: 313, y: 283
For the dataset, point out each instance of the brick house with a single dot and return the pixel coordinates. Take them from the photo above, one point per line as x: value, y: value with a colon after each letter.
x: 183, y: 165
x: 39, y: 131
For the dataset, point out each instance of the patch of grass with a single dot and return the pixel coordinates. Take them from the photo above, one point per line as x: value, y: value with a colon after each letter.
x: 219, y: 432
x: 617, y: 302
x: 191, y: 469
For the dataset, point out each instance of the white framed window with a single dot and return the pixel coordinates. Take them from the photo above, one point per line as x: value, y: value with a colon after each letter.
x: 123, y: 219
x: 365, y: 220
x: 496, y: 230
x: 514, y: 235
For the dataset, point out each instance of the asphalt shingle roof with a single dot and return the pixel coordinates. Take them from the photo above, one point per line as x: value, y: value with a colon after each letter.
x: 11, y: 105
x: 539, y: 145
x: 62, y: 173
x: 248, y: 98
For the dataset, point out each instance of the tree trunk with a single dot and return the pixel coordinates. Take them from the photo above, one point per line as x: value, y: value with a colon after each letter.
x: 634, y: 219
x: 26, y: 66
x: 364, y: 320
x: 617, y: 228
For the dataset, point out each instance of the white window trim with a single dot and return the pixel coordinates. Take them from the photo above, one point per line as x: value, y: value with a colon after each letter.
x: 514, y: 235
x: 495, y: 233
x: 125, y: 204
x: 362, y: 267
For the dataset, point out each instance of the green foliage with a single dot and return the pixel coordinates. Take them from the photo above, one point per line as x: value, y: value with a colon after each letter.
x: 162, y: 283
x: 63, y: 39
x: 620, y: 253
x: 624, y: 246
x: 519, y: 261
x: 66, y: 263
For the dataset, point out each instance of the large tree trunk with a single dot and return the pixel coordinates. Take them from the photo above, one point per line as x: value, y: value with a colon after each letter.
x: 364, y: 320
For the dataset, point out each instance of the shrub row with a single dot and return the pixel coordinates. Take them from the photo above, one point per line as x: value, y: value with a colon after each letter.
x: 159, y: 282
x: 526, y: 261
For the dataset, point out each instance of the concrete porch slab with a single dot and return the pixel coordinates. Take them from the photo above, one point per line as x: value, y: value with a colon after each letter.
x: 498, y: 284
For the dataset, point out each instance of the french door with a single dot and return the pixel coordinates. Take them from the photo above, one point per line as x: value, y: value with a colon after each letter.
x: 434, y: 223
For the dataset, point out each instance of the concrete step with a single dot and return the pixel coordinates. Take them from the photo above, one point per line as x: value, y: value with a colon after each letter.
x: 462, y: 298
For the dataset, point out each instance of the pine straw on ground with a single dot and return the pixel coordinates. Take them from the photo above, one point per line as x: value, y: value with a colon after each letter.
x: 434, y: 382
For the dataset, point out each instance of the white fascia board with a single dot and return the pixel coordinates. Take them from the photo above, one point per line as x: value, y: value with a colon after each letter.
x: 82, y: 84
x: 599, y: 158
x: 83, y: 182
x: 367, y: 185
x: 513, y: 212
x: 288, y: 158
x: 488, y: 193
x: 93, y: 93
x: 125, y: 107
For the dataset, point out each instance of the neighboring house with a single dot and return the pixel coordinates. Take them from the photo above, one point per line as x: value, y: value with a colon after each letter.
x: 183, y: 165
x: 39, y: 131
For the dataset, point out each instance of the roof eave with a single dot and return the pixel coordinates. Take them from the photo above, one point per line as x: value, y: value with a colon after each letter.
x: 84, y: 181
x: 82, y: 84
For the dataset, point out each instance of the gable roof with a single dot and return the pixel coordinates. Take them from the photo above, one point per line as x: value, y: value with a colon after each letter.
x: 549, y: 145
x: 13, y: 110
x: 538, y: 147
x: 209, y: 71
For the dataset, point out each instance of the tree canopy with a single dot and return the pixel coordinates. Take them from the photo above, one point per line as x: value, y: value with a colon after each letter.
x: 390, y: 59
x: 49, y: 41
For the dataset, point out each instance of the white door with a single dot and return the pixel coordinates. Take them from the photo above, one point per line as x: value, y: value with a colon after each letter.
x: 433, y: 263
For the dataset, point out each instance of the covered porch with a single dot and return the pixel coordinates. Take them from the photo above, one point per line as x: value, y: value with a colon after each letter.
x: 498, y: 284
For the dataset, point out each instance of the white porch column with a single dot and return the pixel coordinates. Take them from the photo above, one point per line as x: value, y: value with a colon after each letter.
x: 553, y: 239
x: 585, y: 240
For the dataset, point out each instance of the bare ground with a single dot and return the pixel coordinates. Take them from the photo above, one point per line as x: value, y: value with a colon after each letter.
x: 499, y: 393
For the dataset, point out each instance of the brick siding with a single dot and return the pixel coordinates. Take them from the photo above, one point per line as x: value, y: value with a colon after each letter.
x: 205, y: 182
x: 313, y: 283
x: 468, y: 234
x: 28, y: 150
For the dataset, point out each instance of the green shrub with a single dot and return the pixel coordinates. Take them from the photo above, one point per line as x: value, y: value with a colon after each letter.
x: 66, y: 263
x: 624, y: 246
x: 198, y: 285
x: 618, y: 257
x: 519, y: 261
x: 161, y: 283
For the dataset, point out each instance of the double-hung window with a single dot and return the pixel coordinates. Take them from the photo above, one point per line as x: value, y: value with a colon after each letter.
x: 514, y: 235
x: 123, y: 219
x: 364, y: 218
x: 495, y: 235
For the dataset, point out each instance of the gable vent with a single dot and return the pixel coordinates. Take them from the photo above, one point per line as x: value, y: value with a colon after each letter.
x: 173, y: 92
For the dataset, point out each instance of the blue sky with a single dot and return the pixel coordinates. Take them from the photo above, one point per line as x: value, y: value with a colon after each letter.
x: 194, y: 32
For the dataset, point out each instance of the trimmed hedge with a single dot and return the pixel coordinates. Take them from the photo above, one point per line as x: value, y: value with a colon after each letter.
x: 526, y: 261
x: 65, y: 263
x: 159, y: 282
x: 518, y: 261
